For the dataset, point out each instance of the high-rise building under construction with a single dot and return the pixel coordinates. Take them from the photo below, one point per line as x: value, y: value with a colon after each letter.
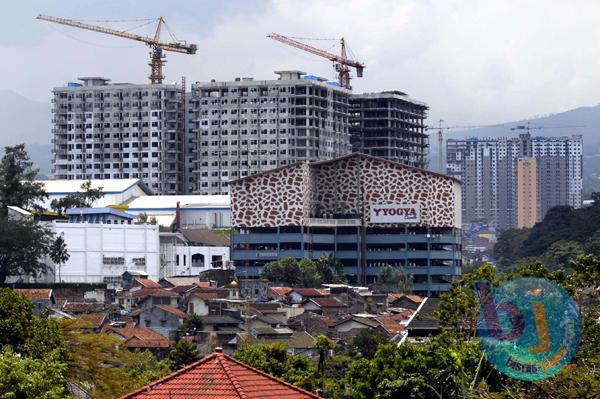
x: 119, y: 131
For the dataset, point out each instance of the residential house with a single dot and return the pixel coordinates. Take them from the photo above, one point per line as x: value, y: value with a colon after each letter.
x: 97, y: 320
x: 219, y: 376
x: 175, y: 281
x: 140, y: 282
x: 296, y: 342
x: 139, y: 338
x: 163, y: 319
x: 299, y: 295
x: 42, y: 298
x: 330, y: 307
x: 354, y: 324
x: 313, y: 323
x: 147, y: 297
x: 398, y: 300
x: 278, y: 293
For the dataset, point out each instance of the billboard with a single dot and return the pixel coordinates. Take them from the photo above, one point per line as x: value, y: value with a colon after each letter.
x: 396, y: 213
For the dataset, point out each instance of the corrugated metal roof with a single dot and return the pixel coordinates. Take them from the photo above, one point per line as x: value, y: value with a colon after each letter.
x: 169, y: 202
x: 109, y: 186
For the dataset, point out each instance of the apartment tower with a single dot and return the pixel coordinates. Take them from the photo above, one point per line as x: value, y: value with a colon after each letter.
x: 119, y: 131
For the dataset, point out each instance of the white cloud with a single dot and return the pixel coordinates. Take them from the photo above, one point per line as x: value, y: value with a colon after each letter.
x: 472, y: 61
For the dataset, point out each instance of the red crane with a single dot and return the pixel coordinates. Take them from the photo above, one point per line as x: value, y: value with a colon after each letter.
x: 341, y: 62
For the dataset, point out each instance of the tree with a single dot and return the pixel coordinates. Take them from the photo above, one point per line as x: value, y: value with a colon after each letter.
x: 330, y: 268
x: 143, y: 217
x: 559, y: 254
x: 82, y: 199
x: 59, y: 254
x: 28, y: 378
x: 183, y: 353
x: 366, y: 342
x: 23, y: 246
x: 324, y: 345
x: 98, y: 364
x: 309, y: 276
x: 191, y: 324
x: 17, y: 186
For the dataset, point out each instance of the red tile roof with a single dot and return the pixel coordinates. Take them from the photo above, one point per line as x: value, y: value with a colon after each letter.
x: 393, y: 296
x: 97, y: 319
x: 219, y: 376
x: 170, y: 309
x: 139, y: 337
x: 35, y: 293
x: 281, y: 291
x: 328, y: 302
x: 390, y: 325
x: 205, y: 296
x: 308, y: 292
x: 147, y: 283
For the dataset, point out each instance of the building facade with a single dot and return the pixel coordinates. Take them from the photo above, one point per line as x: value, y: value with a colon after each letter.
x: 243, y: 127
x: 389, y: 125
x: 119, y: 131
x: 489, y: 171
x: 526, y: 192
x: 367, y: 211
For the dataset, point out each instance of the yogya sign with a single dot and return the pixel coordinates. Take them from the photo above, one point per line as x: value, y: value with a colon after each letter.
x: 395, y: 213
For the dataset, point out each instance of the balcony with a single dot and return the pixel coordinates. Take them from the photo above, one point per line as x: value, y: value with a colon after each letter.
x: 332, y: 222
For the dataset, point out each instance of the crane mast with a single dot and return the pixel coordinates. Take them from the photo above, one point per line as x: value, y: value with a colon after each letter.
x: 157, y: 57
x: 341, y: 62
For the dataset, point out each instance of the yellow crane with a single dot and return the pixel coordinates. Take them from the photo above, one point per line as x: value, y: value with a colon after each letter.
x: 157, y: 48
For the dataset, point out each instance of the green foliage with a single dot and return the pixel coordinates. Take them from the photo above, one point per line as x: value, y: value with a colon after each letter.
x: 191, y: 324
x: 28, y: 378
x: 17, y: 186
x: 26, y: 334
x: 82, y: 199
x: 99, y: 364
x: 58, y: 253
x: 366, y: 342
x: 183, y: 353
x: 563, y: 234
x: 273, y: 359
x: 23, y: 245
x: 395, y: 277
x: 306, y: 272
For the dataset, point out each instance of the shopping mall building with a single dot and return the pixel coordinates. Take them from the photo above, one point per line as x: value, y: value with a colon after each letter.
x: 367, y: 211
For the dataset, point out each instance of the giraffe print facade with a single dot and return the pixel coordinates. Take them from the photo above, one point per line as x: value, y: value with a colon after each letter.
x: 349, y: 185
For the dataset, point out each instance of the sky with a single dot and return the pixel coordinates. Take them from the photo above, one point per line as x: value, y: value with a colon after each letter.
x: 472, y: 62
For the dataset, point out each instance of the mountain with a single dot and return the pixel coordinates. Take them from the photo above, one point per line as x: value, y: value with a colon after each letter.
x: 26, y: 121
x: 586, y: 118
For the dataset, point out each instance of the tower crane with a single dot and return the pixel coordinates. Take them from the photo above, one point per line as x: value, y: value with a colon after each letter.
x: 529, y: 128
x: 157, y: 47
x: 341, y: 63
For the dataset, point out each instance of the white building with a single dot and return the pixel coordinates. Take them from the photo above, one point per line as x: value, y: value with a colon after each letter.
x: 101, y: 252
x: 196, y: 211
x: 192, y: 251
x: 116, y: 191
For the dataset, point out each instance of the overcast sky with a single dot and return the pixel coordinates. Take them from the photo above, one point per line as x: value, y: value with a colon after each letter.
x: 473, y: 62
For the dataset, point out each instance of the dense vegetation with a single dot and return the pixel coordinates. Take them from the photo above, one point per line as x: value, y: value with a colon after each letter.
x: 451, y: 365
x: 562, y: 235
x: 305, y: 272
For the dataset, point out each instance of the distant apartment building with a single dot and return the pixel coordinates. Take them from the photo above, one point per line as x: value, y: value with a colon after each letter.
x: 119, y: 131
x: 526, y: 192
x: 246, y: 126
x: 497, y: 176
x: 389, y: 125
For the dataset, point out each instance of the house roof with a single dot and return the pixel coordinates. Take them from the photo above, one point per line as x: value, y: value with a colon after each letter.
x: 328, y: 303
x: 393, y: 296
x: 205, y: 237
x: 307, y: 292
x: 109, y: 186
x: 361, y: 320
x: 99, y: 211
x: 335, y: 160
x: 176, y: 281
x: 205, y: 296
x: 35, y: 293
x: 147, y: 283
x: 85, y: 307
x: 169, y: 202
x: 265, y: 307
x: 281, y: 291
x: 140, y: 337
x: 216, y: 319
x: 97, y: 319
x: 146, y: 292
x: 219, y: 376
x: 174, y: 311
x: 390, y: 325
